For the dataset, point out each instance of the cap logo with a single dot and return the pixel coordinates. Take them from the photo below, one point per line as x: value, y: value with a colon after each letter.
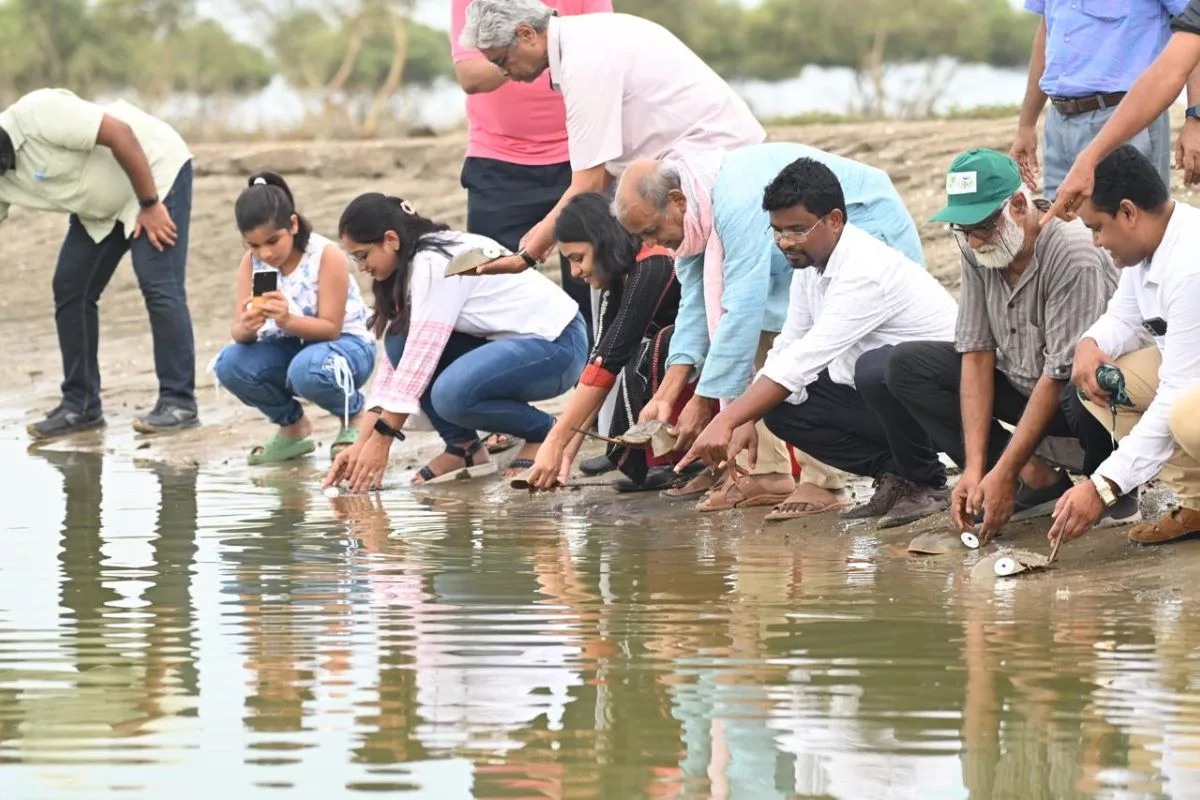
x: 962, y: 183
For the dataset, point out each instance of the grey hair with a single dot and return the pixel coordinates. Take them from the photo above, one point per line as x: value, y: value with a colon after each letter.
x: 493, y: 23
x: 654, y: 188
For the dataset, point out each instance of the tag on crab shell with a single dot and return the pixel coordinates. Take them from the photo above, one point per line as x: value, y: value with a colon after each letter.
x: 1016, y: 562
x: 969, y: 540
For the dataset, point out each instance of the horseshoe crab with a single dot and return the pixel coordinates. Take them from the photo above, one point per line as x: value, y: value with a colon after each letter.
x: 521, y: 481
x: 1010, y: 562
x: 656, y: 434
x: 931, y: 544
x: 1016, y: 561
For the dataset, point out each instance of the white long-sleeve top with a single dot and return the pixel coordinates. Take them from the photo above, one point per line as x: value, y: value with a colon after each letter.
x: 1167, y: 287
x: 490, y: 307
x: 868, y: 296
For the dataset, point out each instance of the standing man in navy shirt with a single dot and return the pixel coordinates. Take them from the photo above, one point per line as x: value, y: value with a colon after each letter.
x: 1086, y: 56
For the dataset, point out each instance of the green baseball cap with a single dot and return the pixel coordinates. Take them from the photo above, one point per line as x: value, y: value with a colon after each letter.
x: 978, y: 183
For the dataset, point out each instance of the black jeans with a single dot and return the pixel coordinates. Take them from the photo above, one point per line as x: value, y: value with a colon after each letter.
x: 835, y: 425
x: 84, y: 269
x: 504, y: 201
x: 924, y: 379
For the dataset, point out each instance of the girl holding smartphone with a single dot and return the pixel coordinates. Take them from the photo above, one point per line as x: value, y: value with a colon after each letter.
x: 305, y: 339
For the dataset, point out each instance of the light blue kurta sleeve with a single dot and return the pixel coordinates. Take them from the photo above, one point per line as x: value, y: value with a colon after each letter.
x: 894, y: 224
x: 746, y: 239
x: 872, y: 202
x: 875, y: 206
x: 689, y: 341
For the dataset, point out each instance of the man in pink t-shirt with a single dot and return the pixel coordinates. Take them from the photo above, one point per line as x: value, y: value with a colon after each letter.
x: 517, y: 164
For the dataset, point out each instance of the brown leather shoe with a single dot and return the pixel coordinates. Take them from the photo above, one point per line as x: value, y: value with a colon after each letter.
x: 1179, y: 524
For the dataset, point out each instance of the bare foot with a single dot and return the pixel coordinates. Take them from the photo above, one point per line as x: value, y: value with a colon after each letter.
x: 527, y: 452
x: 301, y: 429
x: 776, y: 482
x: 446, y: 462
x: 1037, y: 474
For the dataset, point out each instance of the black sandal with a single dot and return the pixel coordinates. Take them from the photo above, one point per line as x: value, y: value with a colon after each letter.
x: 471, y: 470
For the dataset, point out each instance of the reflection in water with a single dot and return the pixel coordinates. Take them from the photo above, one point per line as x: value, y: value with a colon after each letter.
x: 183, y: 628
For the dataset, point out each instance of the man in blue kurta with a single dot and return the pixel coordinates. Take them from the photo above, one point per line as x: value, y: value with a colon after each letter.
x: 735, y: 282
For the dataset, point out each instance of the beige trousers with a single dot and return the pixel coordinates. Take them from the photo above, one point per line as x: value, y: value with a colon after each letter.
x: 1182, y: 471
x: 773, y: 457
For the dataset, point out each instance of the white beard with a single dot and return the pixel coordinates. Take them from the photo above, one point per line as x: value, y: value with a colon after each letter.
x: 1011, y: 238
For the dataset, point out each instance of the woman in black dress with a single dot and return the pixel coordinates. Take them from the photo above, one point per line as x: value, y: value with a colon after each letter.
x: 639, y: 297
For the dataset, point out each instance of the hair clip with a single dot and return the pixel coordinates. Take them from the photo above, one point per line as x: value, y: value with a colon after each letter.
x: 407, y: 208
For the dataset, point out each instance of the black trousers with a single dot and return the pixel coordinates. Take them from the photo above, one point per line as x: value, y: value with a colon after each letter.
x: 923, y: 379
x: 836, y: 425
x: 504, y: 201
x: 84, y: 269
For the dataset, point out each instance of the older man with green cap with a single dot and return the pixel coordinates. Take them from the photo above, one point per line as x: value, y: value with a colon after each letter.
x: 1027, y: 295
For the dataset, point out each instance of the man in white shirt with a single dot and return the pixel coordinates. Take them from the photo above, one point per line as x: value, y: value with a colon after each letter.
x: 631, y: 88
x: 851, y: 294
x: 1155, y: 240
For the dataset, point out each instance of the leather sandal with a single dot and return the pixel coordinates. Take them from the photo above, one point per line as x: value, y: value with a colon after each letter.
x: 464, y: 473
x: 808, y: 501
x: 739, y: 491
x: 1179, y: 524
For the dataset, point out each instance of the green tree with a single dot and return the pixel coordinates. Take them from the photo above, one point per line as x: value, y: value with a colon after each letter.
x: 151, y: 46
x: 365, y: 48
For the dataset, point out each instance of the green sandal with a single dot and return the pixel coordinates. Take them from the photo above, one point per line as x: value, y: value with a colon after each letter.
x: 280, y: 448
x: 345, y: 438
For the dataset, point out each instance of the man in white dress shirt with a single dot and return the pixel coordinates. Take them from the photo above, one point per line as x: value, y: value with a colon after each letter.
x: 851, y: 294
x: 1155, y: 240
x: 632, y: 90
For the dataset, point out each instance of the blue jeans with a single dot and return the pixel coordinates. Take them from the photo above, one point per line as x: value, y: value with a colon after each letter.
x: 85, y: 267
x: 270, y: 375
x: 488, y: 385
x: 1066, y: 137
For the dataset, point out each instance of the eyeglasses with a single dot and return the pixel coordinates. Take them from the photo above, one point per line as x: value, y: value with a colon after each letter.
x: 791, y: 233
x: 980, y: 230
x: 501, y: 63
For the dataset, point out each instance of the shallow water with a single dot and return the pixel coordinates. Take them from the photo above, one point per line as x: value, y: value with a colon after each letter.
x: 182, y: 632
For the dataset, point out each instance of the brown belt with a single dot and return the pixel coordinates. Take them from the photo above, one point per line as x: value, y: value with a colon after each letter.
x: 1069, y: 106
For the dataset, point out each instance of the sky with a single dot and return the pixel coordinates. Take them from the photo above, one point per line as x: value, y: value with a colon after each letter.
x: 435, y: 13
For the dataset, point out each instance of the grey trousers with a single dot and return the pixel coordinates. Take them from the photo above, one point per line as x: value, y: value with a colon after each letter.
x: 1065, y: 138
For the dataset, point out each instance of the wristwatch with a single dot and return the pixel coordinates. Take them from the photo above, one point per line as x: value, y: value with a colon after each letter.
x: 1104, y: 489
x: 384, y: 429
x: 148, y: 202
x: 1193, y: 112
x: 529, y: 260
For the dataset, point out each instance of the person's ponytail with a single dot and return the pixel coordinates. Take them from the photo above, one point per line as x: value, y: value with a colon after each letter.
x: 267, y: 200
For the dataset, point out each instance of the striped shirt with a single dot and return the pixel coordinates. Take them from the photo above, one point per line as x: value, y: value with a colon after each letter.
x: 1033, y: 325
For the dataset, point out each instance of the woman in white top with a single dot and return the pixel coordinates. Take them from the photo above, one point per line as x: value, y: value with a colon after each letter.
x: 307, y: 339
x: 471, y: 352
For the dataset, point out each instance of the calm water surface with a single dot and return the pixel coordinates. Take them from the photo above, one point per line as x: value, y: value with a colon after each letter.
x: 171, y: 632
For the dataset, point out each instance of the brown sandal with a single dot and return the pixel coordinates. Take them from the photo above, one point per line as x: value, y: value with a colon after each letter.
x: 741, y: 492
x: 808, y: 501
x: 694, y: 489
x: 1181, y: 523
